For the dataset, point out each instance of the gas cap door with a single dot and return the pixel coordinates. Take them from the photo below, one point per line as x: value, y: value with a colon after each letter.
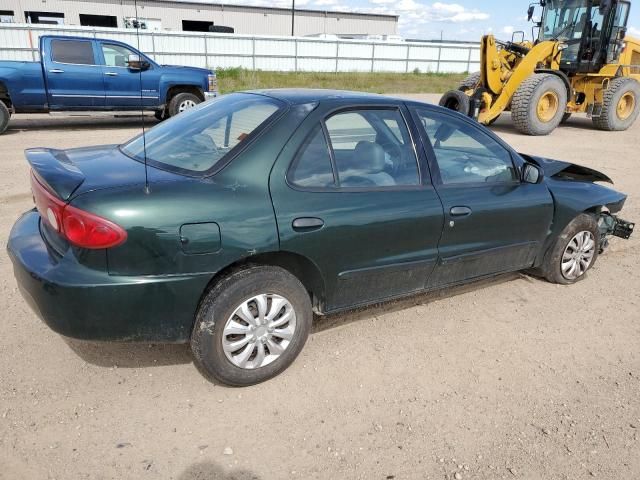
x: 200, y: 238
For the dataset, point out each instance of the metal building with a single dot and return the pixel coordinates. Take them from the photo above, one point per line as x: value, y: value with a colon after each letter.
x: 194, y: 15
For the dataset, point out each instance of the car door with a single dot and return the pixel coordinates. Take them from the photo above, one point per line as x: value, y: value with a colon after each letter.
x: 127, y: 88
x: 351, y: 194
x: 74, y: 80
x: 494, y: 222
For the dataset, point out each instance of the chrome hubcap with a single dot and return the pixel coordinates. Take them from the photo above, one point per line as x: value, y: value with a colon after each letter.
x: 578, y: 255
x: 259, y: 331
x: 186, y: 105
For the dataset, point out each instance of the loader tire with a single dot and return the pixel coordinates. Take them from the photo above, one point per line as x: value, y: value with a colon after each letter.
x: 620, y: 106
x: 456, y: 100
x: 539, y: 104
x: 5, y: 115
x: 470, y: 83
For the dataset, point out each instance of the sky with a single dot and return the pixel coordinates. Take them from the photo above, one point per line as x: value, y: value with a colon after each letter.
x: 460, y: 20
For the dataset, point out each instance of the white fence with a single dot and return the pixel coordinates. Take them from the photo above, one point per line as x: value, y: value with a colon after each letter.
x: 214, y: 50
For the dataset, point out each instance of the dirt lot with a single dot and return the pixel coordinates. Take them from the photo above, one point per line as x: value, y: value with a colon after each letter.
x: 513, y: 378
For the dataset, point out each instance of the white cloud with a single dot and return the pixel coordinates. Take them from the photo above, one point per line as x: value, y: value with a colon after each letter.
x: 508, y: 29
x: 326, y: 3
x: 634, y: 32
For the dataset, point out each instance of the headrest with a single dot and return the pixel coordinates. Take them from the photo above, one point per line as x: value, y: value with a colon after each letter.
x: 369, y: 156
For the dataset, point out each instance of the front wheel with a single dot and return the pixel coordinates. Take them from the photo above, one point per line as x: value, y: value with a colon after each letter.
x: 251, y: 326
x: 5, y: 116
x: 574, y: 252
x: 539, y: 104
x: 182, y: 102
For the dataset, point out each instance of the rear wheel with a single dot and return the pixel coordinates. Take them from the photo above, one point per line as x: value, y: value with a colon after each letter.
x: 182, y: 102
x: 620, y: 106
x: 251, y: 326
x: 456, y: 100
x: 470, y: 83
x: 539, y: 104
x: 5, y: 116
x: 575, y: 251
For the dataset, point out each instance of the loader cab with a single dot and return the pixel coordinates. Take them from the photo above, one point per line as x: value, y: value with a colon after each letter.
x: 592, y: 31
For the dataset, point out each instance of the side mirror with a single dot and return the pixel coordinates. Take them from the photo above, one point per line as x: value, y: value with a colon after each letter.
x: 530, y: 13
x: 532, y: 174
x: 136, y: 63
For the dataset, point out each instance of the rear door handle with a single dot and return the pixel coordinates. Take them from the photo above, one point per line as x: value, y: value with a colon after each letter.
x: 56, y: 70
x: 307, y: 224
x: 111, y: 74
x: 460, y: 211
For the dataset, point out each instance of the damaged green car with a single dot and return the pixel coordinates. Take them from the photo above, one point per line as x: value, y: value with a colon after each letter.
x: 229, y: 225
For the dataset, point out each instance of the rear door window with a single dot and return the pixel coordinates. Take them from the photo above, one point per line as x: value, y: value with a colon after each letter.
x: 78, y: 52
x: 373, y: 148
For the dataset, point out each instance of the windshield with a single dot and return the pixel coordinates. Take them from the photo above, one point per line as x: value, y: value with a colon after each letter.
x: 196, y: 140
x: 564, y: 20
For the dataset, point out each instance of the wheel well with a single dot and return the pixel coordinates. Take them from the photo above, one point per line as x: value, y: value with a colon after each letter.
x: 299, y: 266
x: 175, y: 90
x: 4, y: 95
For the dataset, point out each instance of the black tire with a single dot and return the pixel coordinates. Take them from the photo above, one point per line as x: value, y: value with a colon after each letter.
x: 5, y: 116
x: 219, y: 305
x: 456, y: 100
x: 565, y: 118
x: 524, y: 106
x: 178, y: 102
x: 470, y: 83
x: 610, y: 119
x: 552, y: 265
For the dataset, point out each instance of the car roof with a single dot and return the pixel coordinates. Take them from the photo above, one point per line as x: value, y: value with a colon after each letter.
x: 296, y: 96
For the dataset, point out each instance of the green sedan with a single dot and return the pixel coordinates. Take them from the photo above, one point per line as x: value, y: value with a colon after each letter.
x: 231, y: 224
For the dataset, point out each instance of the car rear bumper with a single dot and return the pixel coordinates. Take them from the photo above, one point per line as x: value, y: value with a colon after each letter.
x: 80, y: 302
x: 210, y: 95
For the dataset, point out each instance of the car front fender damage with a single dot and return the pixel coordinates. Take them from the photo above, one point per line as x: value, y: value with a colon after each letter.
x: 574, y: 192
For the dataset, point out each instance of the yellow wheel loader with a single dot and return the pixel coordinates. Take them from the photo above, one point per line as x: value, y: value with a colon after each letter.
x: 581, y: 62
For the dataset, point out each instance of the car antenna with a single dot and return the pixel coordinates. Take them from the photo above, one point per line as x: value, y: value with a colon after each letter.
x: 137, y: 24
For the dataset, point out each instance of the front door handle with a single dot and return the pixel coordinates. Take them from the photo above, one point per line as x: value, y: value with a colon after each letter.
x: 111, y: 74
x: 56, y: 70
x: 460, y: 211
x: 307, y: 224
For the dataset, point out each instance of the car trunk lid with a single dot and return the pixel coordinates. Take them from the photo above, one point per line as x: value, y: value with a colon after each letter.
x: 69, y: 173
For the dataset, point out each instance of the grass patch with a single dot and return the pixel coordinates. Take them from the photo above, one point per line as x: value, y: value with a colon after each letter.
x: 235, y: 79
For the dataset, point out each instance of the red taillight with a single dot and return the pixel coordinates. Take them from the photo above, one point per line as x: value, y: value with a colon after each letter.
x: 82, y: 229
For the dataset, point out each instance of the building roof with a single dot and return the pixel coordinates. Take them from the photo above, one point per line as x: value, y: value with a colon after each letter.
x: 200, y: 3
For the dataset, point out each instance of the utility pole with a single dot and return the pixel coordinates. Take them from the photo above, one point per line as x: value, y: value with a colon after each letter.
x: 293, y: 17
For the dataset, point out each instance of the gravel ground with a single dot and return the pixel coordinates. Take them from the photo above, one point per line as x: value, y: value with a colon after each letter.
x: 512, y: 378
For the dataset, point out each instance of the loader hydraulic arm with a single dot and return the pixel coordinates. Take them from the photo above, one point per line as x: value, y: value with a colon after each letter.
x: 543, y: 55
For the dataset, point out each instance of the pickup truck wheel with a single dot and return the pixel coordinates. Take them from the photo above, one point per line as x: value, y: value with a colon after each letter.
x: 574, y: 253
x: 5, y: 115
x: 182, y: 102
x: 251, y: 326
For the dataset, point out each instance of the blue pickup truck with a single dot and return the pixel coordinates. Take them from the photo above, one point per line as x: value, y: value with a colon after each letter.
x: 93, y: 75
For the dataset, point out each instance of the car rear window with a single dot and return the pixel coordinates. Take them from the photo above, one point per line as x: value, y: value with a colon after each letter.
x: 195, y: 141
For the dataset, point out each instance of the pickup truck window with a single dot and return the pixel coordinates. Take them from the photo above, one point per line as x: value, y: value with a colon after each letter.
x: 72, y: 51
x: 199, y: 138
x: 115, y: 55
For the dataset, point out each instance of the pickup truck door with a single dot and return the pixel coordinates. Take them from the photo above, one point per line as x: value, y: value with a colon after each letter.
x: 72, y: 74
x: 127, y: 88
